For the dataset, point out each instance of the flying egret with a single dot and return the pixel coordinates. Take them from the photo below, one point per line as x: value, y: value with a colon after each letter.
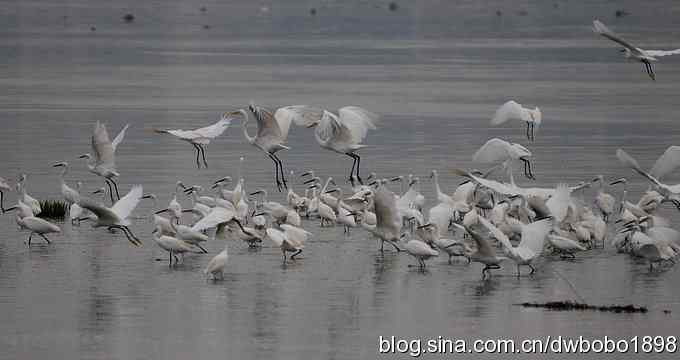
x: 116, y: 217
x: 632, y: 52
x: 201, y: 137
x: 272, y: 132
x: 511, y: 110
x: 497, y: 150
x: 341, y: 133
x: 69, y: 193
x: 104, y: 162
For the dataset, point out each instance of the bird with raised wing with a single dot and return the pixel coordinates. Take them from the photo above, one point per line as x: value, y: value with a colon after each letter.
x: 512, y: 110
x: 103, y: 163
x: 201, y: 137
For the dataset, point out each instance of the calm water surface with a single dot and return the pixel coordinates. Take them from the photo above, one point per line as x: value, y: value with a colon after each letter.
x: 435, y: 71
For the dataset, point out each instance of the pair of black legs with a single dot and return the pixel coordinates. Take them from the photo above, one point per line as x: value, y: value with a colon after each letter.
x: 128, y: 234
x: 355, y: 164
x: 292, y: 257
x: 200, y: 152
x: 489, y: 267
x: 650, y: 70
x: 115, y: 186
x: 527, y: 169
x: 530, y: 131
x: 30, y: 236
x: 278, y: 169
x: 2, y: 199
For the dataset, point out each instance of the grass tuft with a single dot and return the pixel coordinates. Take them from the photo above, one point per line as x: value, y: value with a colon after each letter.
x: 53, y: 209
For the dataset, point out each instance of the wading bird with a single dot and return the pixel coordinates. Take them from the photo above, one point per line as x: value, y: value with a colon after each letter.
x: 104, y: 162
x: 199, y: 138
x: 511, y: 110
x: 497, y: 150
x: 632, y: 52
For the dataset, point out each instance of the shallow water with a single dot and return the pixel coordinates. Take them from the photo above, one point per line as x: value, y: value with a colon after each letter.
x: 435, y: 72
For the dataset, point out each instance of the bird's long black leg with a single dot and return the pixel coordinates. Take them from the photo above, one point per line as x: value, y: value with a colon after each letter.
x: 276, y: 171
x: 137, y: 242
x: 358, y: 164
x: 283, y: 175
x: 292, y: 257
x: 202, y: 248
x: 532, y: 132
x: 115, y: 186
x: 528, y: 136
x: 354, y: 163
x: 45, y: 237
x: 198, y: 153
x: 110, y: 190
x: 30, y: 236
x: 203, y: 155
x: 651, y: 71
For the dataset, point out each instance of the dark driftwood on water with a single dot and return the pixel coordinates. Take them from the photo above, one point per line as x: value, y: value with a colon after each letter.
x: 574, y: 306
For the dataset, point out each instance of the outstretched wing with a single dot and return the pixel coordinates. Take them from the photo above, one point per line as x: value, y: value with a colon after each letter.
x: 301, y: 115
x: 657, y: 53
x: 534, y: 234
x: 492, y: 151
x: 123, y: 207
x: 666, y: 163
x: 119, y: 138
x: 633, y: 164
x: 601, y: 29
x: 217, y: 215
x: 214, y: 130
x: 511, y: 110
x: 499, y: 235
x: 558, y: 204
x: 357, y: 121
x: 101, y: 146
x: 501, y: 188
x: 267, y: 124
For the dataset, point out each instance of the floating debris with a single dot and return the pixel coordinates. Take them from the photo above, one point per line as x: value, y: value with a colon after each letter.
x: 666, y: 311
x: 53, y: 209
x: 206, y: 27
x: 393, y: 6
x: 574, y: 306
x: 312, y: 11
x: 499, y: 13
x: 522, y: 13
x: 93, y: 28
x: 204, y: 9
x: 129, y: 18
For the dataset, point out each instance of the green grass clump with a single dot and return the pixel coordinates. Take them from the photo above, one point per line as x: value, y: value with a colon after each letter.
x: 53, y: 209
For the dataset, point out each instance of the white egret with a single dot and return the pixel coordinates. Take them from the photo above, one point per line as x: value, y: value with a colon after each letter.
x: 388, y: 219
x: 530, y: 246
x: 669, y: 192
x: 511, y: 110
x: 272, y: 132
x: 421, y: 251
x: 632, y: 52
x: 25, y: 198
x: 604, y: 201
x: 342, y: 133
x: 116, y: 217
x: 104, y: 162
x: 291, y: 239
x: 26, y: 220
x: 171, y: 244
x: 201, y: 137
x: 564, y: 245
x: 497, y: 150
x: 484, y: 254
x: 217, y: 264
x: 451, y: 247
x: 69, y: 193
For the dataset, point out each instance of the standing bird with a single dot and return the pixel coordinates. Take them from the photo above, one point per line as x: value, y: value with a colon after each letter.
x: 201, y: 137
x: 496, y: 150
x: 171, y: 244
x: 485, y: 254
x: 291, y: 239
x: 116, y: 217
x: 531, y: 245
x: 29, y: 200
x: 388, y: 219
x: 26, y: 220
x: 72, y: 196
x: 272, y: 132
x: 604, y: 201
x: 217, y: 264
x: 421, y: 251
x: 104, y: 162
x: 342, y: 133
x: 4, y: 186
x: 630, y: 51
x: 512, y: 110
